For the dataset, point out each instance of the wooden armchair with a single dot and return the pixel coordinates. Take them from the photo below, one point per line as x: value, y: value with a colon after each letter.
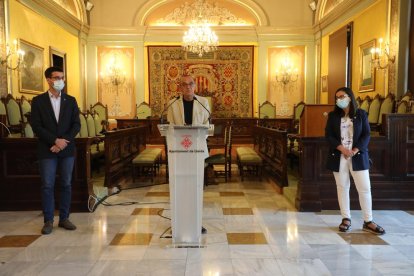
x: 366, y: 103
x: 387, y: 106
x: 221, y: 159
x: 267, y: 110
x: 102, y: 110
x: 403, y: 107
x: 14, y: 117
x: 143, y: 111
x: 25, y: 108
x: 374, y: 110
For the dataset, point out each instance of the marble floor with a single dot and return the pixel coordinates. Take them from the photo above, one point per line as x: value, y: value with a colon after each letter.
x: 252, y: 230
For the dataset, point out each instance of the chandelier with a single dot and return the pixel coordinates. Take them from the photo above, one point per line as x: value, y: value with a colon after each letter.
x: 199, y: 38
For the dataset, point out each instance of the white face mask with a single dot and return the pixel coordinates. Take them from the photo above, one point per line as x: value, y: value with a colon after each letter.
x: 343, y: 103
x: 58, y: 85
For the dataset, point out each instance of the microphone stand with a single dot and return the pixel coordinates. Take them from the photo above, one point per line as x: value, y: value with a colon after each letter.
x: 168, y: 106
x: 209, y: 113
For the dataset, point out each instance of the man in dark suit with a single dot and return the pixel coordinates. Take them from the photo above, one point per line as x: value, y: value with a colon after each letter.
x: 55, y: 121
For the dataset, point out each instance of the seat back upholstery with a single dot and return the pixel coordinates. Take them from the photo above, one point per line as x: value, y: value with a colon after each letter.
x: 2, y: 107
x: 25, y: 108
x: 358, y: 101
x: 267, y: 110
x: 366, y: 103
x: 98, y: 123
x: 143, y: 111
x: 28, y: 131
x: 83, y: 133
x: 102, y: 110
x: 91, y: 125
x: 402, y: 107
x: 13, y: 111
x: 374, y: 110
x: 407, y: 96
x: 387, y: 106
x: 297, y: 113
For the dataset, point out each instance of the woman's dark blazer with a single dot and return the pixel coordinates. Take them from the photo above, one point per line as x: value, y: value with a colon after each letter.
x: 360, y: 161
x: 47, y: 129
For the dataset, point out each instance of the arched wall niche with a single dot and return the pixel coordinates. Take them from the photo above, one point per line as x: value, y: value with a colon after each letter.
x: 150, y: 13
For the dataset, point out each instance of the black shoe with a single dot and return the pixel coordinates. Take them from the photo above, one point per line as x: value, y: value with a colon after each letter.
x: 67, y: 224
x: 203, y: 230
x: 47, y: 228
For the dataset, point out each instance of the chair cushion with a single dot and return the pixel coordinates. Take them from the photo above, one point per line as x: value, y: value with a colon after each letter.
x: 216, y: 159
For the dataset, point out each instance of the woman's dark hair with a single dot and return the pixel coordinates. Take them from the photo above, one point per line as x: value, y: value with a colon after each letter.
x: 352, y: 105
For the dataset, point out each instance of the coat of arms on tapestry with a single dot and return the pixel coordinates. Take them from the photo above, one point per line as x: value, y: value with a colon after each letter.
x: 224, y: 76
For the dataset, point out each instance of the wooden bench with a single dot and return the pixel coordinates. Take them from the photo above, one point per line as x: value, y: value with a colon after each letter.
x: 147, y: 162
x: 249, y: 161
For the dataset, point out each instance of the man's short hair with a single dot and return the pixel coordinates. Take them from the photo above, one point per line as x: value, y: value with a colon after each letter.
x: 50, y: 70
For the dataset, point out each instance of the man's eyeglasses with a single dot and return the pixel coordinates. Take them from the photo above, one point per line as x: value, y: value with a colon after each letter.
x: 57, y: 78
x: 184, y: 84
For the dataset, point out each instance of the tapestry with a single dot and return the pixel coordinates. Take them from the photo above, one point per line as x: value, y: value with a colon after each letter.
x: 225, y: 77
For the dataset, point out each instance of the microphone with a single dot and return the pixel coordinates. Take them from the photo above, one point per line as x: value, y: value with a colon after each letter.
x: 209, y: 113
x: 168, y: 106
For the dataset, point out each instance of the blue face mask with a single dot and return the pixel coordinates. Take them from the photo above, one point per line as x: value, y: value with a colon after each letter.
x: 343, y: 103
x: 58, y: 85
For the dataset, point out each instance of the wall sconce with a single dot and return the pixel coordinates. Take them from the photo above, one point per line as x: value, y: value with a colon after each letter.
x: 14, y: 57
x: 287, y: 72
x: 312, y: 5
x: 113, y: 73
x: 380, y: 56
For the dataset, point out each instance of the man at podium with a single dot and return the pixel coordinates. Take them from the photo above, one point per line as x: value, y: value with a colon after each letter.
x: 189, y: 109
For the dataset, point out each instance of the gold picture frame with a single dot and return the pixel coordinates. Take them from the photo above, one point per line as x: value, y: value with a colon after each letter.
x: 366, y: 70
x: 31, y: 71
x: 324, y: 83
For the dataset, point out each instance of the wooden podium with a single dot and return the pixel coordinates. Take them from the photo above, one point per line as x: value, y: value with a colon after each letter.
x: 187, y: 149
x: 313, y: 119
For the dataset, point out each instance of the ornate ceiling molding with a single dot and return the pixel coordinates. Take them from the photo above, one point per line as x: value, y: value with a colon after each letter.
x: 249, y: 5
x: 212, y: 13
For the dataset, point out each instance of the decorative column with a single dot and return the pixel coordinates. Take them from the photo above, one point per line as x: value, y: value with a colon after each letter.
x: 3, y: 70
x: 393, y: 37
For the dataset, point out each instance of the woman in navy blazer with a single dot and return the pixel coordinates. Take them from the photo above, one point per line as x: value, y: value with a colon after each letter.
x: 55, y: 120
x: 348, y: 133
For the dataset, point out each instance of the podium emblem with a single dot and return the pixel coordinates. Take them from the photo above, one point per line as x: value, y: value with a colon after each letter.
x: 186, y: 142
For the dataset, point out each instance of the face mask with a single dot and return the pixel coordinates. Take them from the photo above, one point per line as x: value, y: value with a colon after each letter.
x: 343, y: 103
x: 58, y: 85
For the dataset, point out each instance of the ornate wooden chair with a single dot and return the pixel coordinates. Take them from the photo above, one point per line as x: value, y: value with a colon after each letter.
x: 387, y: 106
x: 407, y: 96
x: 143, y: 111
x: 374, y: 110
x: 102, y: 110
x: 25, y: 108
x: 366, y: 103
x: 267, y: 110
x: 403, y: 107
x: 14, y: 118
x: 221, y: 159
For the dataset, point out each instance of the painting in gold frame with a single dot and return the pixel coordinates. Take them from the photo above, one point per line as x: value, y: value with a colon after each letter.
x: 367, y: 71
x: 31, y: 71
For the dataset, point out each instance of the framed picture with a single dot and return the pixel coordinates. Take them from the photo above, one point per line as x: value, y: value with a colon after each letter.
x: 367, y: 71
x: 58, y: 59
x: 31, y: 71
x: 324, y: 83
